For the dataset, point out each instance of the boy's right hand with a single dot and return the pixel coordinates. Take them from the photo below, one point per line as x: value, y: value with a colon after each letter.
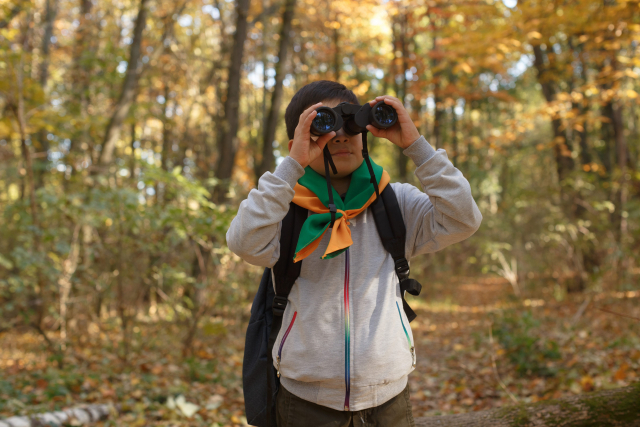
x: 302, y: 148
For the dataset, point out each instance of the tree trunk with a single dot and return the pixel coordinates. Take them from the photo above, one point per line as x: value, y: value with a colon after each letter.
x: 454, y: 128
x: 401, y: 158
x: 618, y: 407
x: 227, y: 137
x: 582, y: 107
x: 620, y: 222
x: 127, y: 95
x: 564, y: 163
x: 50, y: 17
x: 80, y: 98
x: 621, y: 161
x: 562, y: 146
x: 268, y: 160
x: 336, y: 54
x: 15, y: 10
x: 132, y: 159
x: 64, y: 283
x: 264, y: 59
x: 436, y: 77
x: 41, y: 141
x: 166, y: 130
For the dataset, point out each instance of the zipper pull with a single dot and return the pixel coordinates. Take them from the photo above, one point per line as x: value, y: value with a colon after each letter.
x: 278, y: 365
x: 413, y: 357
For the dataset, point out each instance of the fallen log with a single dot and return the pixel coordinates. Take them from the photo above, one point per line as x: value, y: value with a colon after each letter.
x: 78, y: 416
x: 616, y: 407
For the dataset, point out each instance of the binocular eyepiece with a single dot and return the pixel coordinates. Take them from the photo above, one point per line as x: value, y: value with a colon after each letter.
x: 353, y: 117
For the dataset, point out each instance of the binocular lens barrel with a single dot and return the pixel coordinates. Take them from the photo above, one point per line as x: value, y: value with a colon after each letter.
x: 384, y: 115
x: 324, y: 122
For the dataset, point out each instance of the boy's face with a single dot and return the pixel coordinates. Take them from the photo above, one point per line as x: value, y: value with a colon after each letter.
x: 345, y: 149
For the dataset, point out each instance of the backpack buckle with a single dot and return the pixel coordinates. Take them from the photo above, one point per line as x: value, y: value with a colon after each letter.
x: 402, y: 268
x: 333, y: 210
x: 279, y: 304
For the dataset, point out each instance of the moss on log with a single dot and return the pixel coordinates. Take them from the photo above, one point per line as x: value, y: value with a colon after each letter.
x: 608, y: 408
x: 617, y: 407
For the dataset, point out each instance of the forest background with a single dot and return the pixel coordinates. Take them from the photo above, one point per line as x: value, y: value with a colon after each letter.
x: 131, y: 130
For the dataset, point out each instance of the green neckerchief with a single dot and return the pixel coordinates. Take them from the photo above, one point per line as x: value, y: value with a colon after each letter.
x: 359, y: 193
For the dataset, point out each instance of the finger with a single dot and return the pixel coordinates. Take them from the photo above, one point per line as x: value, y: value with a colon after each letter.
x: 390, y: 100
x: 307, y: 122
x: 403, y: 114
x: 387, y: 99
x: 324, y: 139
x: 383, y: 97
x: 376, y: 100
x: 308, y: 111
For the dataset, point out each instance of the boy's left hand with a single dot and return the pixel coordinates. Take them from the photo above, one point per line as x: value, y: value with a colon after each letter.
x: 404, y: 132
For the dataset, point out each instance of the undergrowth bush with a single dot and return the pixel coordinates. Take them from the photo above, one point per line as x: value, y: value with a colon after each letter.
x: 528, y: 351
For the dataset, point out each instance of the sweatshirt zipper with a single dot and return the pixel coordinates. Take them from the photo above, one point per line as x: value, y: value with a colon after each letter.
x: 413, y: 353
x: 347, y: 333
x: 284, y: 338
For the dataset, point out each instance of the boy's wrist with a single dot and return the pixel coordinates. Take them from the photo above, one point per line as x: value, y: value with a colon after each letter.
x: 297, y: 159
x: 412, y: 137
x: 419, y: 151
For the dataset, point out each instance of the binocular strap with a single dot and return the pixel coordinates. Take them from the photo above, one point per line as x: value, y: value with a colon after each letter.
x: 365, y: 154
x: 329, y: 161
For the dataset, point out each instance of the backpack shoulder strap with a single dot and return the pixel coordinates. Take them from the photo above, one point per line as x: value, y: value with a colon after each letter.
x: 393, y: 233
x: 285, y: 273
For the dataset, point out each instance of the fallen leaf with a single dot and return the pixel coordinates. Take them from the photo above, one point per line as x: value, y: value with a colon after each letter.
x: 621, y: 374
x: 187, y: 408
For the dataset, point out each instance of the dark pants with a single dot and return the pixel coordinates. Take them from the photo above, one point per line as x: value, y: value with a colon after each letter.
x: 293, y: 411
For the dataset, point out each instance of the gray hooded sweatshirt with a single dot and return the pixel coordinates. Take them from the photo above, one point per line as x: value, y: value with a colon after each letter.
x: 345, y: 341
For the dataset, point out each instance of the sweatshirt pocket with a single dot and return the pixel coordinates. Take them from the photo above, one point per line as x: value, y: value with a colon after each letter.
x: 411, y: 348
x: 284, y: 339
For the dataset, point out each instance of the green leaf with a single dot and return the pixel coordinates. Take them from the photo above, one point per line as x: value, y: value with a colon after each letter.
x: 6, y: 263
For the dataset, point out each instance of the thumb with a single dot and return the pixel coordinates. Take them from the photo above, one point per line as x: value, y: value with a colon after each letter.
x: 378, y: 133
x: 324, y: 139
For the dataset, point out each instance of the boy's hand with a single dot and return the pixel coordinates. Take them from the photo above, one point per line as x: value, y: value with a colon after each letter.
x: 404, y: 132
x: 302, y: 148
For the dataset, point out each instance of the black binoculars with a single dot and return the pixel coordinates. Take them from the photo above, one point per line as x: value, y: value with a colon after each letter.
x: 353, y: 117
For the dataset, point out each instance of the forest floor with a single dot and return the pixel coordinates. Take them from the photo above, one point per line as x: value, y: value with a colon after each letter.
x: 477, y: 348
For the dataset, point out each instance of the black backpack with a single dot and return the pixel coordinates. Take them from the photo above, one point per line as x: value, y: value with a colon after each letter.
x: 259, y: 380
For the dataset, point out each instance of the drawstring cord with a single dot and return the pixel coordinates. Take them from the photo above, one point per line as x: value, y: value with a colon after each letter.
x: 328, y: 161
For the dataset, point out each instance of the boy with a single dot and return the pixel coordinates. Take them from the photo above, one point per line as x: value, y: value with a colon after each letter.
x: 345, y: 348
